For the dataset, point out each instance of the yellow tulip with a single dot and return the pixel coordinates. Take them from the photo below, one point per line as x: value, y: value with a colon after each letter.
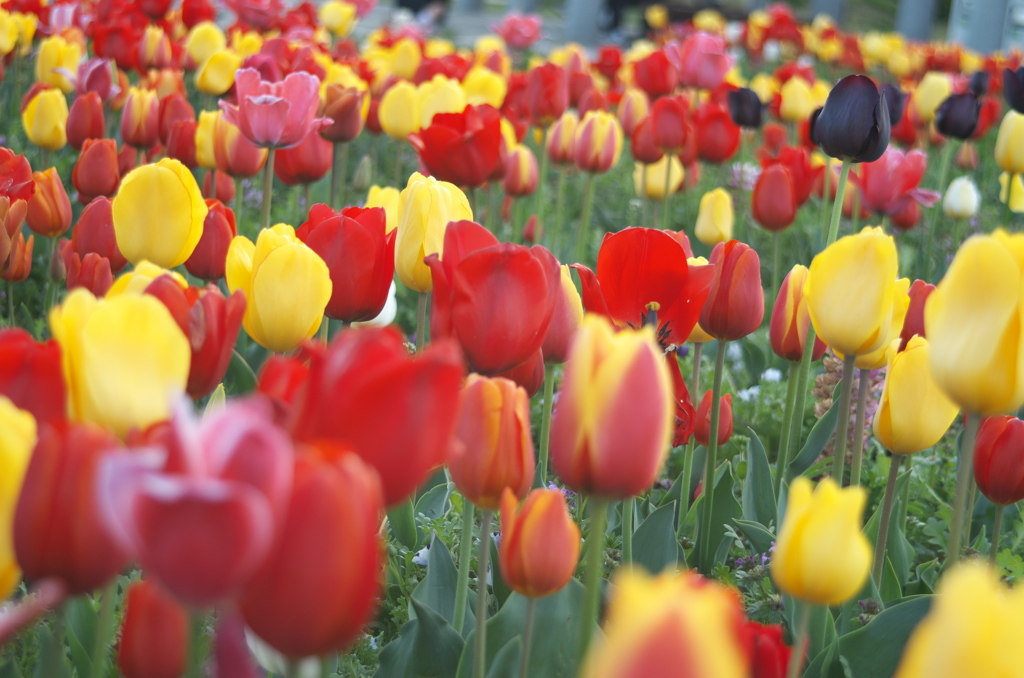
x: 386, y: 197
x: 821, y: 555
x: 8, y: 33
x: 1010, y: 143
x: 483, y: 86
x: 656, y: 16
x: 435, y: 48
x: 216, y: 75
x: 399, y: 111
x: 206, y: 135
x: 973, y: 324
x: 125, y: 359
x: 204, y: 40
x: 438, y: 95
x: 715, y: 218
x: 45, y: 120
x: 652, y: 186
x: 55, y: 55
x: 405, y: 58
x: 697, y: 334
x: 933, y: 89
x: 709, y: 20
x: 138, y: 279
x: 851, y: 290
x: 913, y: 413
x: 27, y: 24
x: 1016, y: 192
x: 486, y: 44
x: 876, y: 359
x: 425, y: 207
x: 246, y: 43
x: 678, y: 620
x: 17, y: 438
x: 797, y: 100
x: 158, y: 214
x: 765, y: 86
x: 972, y: 629
x: 286, y: 285
x: 338, y: 17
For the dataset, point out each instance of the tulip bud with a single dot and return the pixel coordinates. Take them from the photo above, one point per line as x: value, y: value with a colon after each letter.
x: 655, y: 74
x: 346, y: 106
x: 650, y: 180
x: 208, y: 258
x: 561, y: 145
x: 642, y: 145
x: 797, y: 102
x: 154, y: 49
x: 854, y: 123
x: 598, y: 142
x: 540, y: 543
x: 821, y: 555
x: 85, y: 120
x: 306, y: 163
x: 338, y: 17
x: 45, y: 119
x: 17, y: 438
x: 154, y: 635
x: 174, y: 108
x: 97, y: 172
x: 387, y: 198
x: 668, y: 124
x: 19, y: 260
x: 399, y: 111
x: 962, y: 198
x: 91, y: 272
x: 957, y: 116
x: 998, y: 454
x: 633, y: 107
x: 94, y: 232
x: 719, y: 137
x: 715, y: 218
x: 745, y: 108
x: 484, y: 86
x: 521, y: 172
x: 49, y: 210
x: 735, y: 304
x: 426, y: 206
x: 363, y: 177
x: 140, y: 119
x: 773, y: 203
x: 702, y: 428
x: 787, y: 330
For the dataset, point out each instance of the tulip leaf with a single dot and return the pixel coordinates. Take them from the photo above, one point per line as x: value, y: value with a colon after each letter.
x: 426, y: 646
x: 556, y: 633
x: 674, y: 493
x: 240, y: 376
x: 498, y: 586
x: 654, y: 543
x: 724, y: 511
x: 816, y: 442
x: 437, y: 590
x: 10, y: 670
x: 402, y: 523
x: 434, y: 502
x: 506, y: 663
x: 891, y: 589
x: 53, y: 661
x: 80, y: 620
x: 898, y: 549
x: 758, y: 493
x: 759, y: 535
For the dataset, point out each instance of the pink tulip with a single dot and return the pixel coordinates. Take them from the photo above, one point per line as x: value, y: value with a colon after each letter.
x: 274, y: 114
x: 888, y: 185
x: 519, y: 31
x: 702, y: 60
x: 97, y: 75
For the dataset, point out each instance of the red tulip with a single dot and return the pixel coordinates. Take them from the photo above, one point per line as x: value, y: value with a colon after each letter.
x: 592, y: 100
x: 91, y: 271
x: 197, y: 11
x: 529, y: 375
x: 642, y: 144
x: 360, y: 255
x: 154, y: 634
x: 127, y: 159
x: 703, y: 61
x: 999, y: 460
x: 97, y: 172
x: 547, y: 94
x: 58, y: 529
x: 234, y: 154
x: 31, y: 375
x: 668, y: 124
x: 888, y: 184
x: 702, y: 426
x: 685, y: 414
x: 461, y: 148
x: 565, y: 319
x: 344, y: 106
x: 363, y: 383
x: 49, y: 210
x: 94, y: 232
x: 15, y: 176
x: 913, y: 323
x: 798, y: 162
x: 181, y: 143
x: 773, y: 204
x: 495, y: 299
x: 769, y: 655
x: 85, y: 120
x: 520, y: 175
x: 561, y: 143
x: 174, y: 108
x: 655, y: 74
x: 718, y: 136
x: 223, y: 188
x: 274, y: 114
x: 281, y: 378
x: 637, y: 267
x: 96, y: 75
x: 735, y: 304
x: 540, y: 544
x: 787, y: 329
x: 208, y: 258
x: 306, y: 163
x: 774, y: 137
x: 519, y: 31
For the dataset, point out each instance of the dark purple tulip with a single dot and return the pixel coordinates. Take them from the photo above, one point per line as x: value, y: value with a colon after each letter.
x: 895, y: 99
x: 745, y: 107
x: 1013, y: 88
x: 854, y: 123
x: 978, y: 84
x: 957, y: 116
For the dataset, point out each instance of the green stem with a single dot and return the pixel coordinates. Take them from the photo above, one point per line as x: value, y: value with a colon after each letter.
x: 480, y: 658
x: 465, y: 554
x: 684, y: 488
x: 855, y: 212
x: 582, y: 236
x: 238, y: 205
x: 397, y: 169
x: 825, y: 197
x: 545, y: 422
x: 325, y: 330
x: 963, y: 481
x: 305, y: 197
x: 997, y: 528
x: 556, y: 236
x: 708, y: 492
x: 421, y: 321
x: 542, y: 177
x: 905, y: 497
x: 645, y: 201
x: 594, y: 567
x: 1007, y: 216
x: 339, y: 175
x: 930, y: 235
x: 796, y: 660
x: 782, y: 458
x: 667, y: 206
x: 883, y: 525
x: 627, y: 531
x: 524, y: 662
x: 493, y: 206
x: 796, y: 424
x: 517, y: 221
x: 268, y: 189
x: 968, y: 522
x: 863, y: 386
x: 843, y: 428
x: 776, y: 237
x: 10, y: 303
x: 48, y: 296
x: 837, y: 207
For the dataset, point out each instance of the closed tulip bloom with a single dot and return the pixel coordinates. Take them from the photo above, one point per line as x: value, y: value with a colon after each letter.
x: 216, y: 75
x: 493, y: 449
x: 30, y: 376
x: 934, y: 88
x: 387, y: 198
x: 45, y: 120
x: 999, y: 460
x: 735, y: 303
x: 85, y: 120
x: 56, y: 56
x: 1009, y: 151
x: 971, y: 628
x: 547, y: 93
x: 745, y: 108
x: 611, y: 429
x: 154, y: 49
x: 17, y: 438
x: 438, y: 95
x: 565, y: 320
x: 232, y: 153
x: 773, y: 203
x: 174, y: 108
x: 668, y: 124
x: 152, y: 365
x: 642, y: 146
x: 483, y: 86
x: 94, y: 232
x: 854, y: 124
x: 702, y: 428
x: 973, y: 324
x: 203, y: 41
x: 598, y: 142
x: 346, y: 107
x: 97, y: 172
x: 787, y: 330
x: 208, y: 258
x: 520, y: 172
x: 540, y: 543
x: 461, y: 148
x: 561, y: 144
x: 338, y: 17
x: 58, y: 529
x: 399, y: 111
x: 19, y: 262
x: 957, y: 116
x: 159, y: 214
x: 962, y: 198
x: 306, y: 163
x: 717, y: 137
x: 652, y: 186
x: 181, y: 143
x: 633, y: 106
x: 140, y: 119
x: 797, y: 100
x: 274, y: 115
x: 91, y: 271
x: 154, y: 634
x: 426, y: 206
x: 715, y: 217
x: 851, y: 290
x: 821, y: 555
x: 49, y: 210
x: 655, y: 74
x: 655, y: 623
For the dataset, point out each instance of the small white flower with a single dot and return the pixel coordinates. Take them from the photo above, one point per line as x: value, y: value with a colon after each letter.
x: 421, y: 556
x: 962, y: 198
x: 771, y: 375
x: 733, y: 352
x: 749, y: 394
x: 373, y: 643
x: 733, y: 32
x: 772, y: 51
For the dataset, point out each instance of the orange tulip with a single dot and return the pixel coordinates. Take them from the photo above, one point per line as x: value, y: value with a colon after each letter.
x: 540, y: 543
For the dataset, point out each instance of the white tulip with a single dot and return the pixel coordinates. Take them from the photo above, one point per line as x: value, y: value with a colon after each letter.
x: 962, y: 198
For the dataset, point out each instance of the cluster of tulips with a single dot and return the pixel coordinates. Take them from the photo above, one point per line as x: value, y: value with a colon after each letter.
x: 205, y: 515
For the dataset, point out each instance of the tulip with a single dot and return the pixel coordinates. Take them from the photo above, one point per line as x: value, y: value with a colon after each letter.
x: 633, y: 107
x: 561, y: 143
x: 30, y: 376
x: 934, y: 88
x: 773, y: 204
x: 797, y: 160
x: 220, y: 145
x: 346, y: 107
x: 45, y: 120
x: 962, y: 199
x: 997, y: 461
x: 702, y: 429
x: 540, y: 543
x: 719, y: 138
x: 306, y: 163
x: 565, y: 320
x: 426, y: 206
x: 616, y: 388
x: 318, y: 587
x: 158, y: 214
x: 547, y: 94
x: 154, y: 635
x: 769, y: 655
x: 521, y: 174
x: 735, y: 303
x: 957, y: 116
x: 49, y: 210
x: 650, y: 180
x: 950, y: 641
x: 17, y: 439
x: 465, y: 298
x: 94, y: 232
x: 668, y: 124
x: 154, y: 50
x: 274, y: 115
x: 55, y: 57
x: 85, y: 120
x: 656, y: 621
x: 703, y: 61
x: 140, y: 119
x: 438, y: 95
x: 204, y: 40
x: 787, y: 330
x: 399, y: 112
x: 896, y: 100
x: 181, y: 143
x: 174, y: 108
x: 715, y: 218
x: 1008, y: 152
x: 387, y: 198
x: 96, y: 173
x: 216, y: 75
x: 338, y: 17
x: 821, y: 556
x: 745, y: 108
x: 655, y: 74
x: 58, y: 530
x: 19, y: 261
x: 461, y: 148
x: 854, y: 123
x: 91, y: 272
x: 890, y: 184
x: 483, y: 86
x: 598, y: 142
x: 797, y: 101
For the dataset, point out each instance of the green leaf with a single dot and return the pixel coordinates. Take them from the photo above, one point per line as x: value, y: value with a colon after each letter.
x: 434, y: 503
x: 506, y: 662
x: 556, y: 633
x: 437, y: 590
x: 53, y: 662
x: 724, y: 511
x: 816, y: 442
x: 654, y: 542
x: 426, y: 647
x: 80, y: 621
x: 759, y: 535
x: 898, y: 549
x: 240, y: 377
x: 758, y: 493
x: 402, y: 524
x: 10, y: 670
x: 891, y: 589
x: 500, y: 589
